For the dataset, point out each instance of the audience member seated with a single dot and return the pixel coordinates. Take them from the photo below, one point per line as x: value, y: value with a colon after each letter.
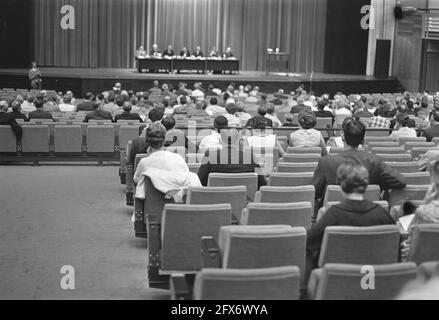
x: 262, y: 140
x: 342, y: 107
x: 404, y: 130
x: 67, y: 105
x: 298, y: 108
x: 39, y: 113
x: 176, y: 137
x: 155, y: 90
x: 182, y: 107
x: 380, y: 119
x: 127, y: 114
x: 353, y: 132
x: 144, y: 101
x: 213, y: 109
x: 272, y: 116
x: 211, y: 90
x: 433, y: 131
x: 360, y: 111
x: 307, y: 136
x: 139, y: 145
x: 87, y: 105
x: 232, y: 119
x: 16, y: 111
x: 214, y: 139
x: 241, y: 114
x: 230, y: 158
x: 252, y: 97
x: 321, y: 112
x: 353, y: 211
x: 289, y: 121
x: 167, y: 170
x: 28, y: 104
x: 197, y: 93
x: 7, y: 119
x: 98, y: 113
x: 260, y: 117
x: 199, y: 110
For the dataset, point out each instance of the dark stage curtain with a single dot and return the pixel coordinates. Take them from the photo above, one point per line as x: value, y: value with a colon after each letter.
x: 109, y: 31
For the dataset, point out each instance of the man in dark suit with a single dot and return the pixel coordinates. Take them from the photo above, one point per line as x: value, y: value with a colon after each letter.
x: 168, y: 52
x: 87, y: 105
x: 321, y: 113
x: 353, y: 132
x: 98, y: 114
x: 231, y: 158
x: 198, y: 52
x: 39, y: 113
x: 7, y: 120
x: 126, y: 114
x: 35, y: 77
x: 260, y: 117
x: 16, y: 111
x: 433, y: 131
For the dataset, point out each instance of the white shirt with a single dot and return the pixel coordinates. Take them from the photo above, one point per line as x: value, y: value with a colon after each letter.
x: 66, y: 107
x: 215, y: 110
x: 264, y: 142
x: 403, y: 132
x: 197, y: 93
x: 343, y: 111
x: 211, y: 141
x: 274, y: 119
x: 27, y: 107
x: 232, y: 120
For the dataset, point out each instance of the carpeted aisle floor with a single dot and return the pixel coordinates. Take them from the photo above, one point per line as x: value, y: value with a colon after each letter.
x: 51, y: 216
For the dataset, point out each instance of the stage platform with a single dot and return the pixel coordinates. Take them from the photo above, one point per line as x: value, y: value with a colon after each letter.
x: 81, y: 80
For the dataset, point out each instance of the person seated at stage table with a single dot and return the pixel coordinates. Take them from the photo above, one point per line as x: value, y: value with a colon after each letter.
x: 87, y: 105
x: 169, y: 52
x: 307, y: 136
x: 213, y: 109
x: 39, y: 113
x: 16, y: 111
x: 199, y: 110
x: 260, y: 117
x: 155, y: 53
x: 229, y: 157
x: 321, y: 112
x: 404, y: 130
x: 353, y: 211
x: 6, y: 119
x: 198, y: 52
x: 185, y: 53
x: 98, y: 113
x: 67, y: 105
x: 141, y: 52
x: 213, y: 53
x: 228, y: 53
x: 127, y: 114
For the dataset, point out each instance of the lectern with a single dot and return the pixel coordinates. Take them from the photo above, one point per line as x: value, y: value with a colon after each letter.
x: 277, y: 61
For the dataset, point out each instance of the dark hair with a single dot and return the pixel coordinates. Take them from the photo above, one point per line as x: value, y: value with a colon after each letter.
x: 156, y: 114
x: 168, y: 122
x: 383, y: 111
x: 231, y: 108
x: 435, y: 116
x: 183, y: 100
x: 321, y: 103
x: 155, y: 135
x: 88, y: 96
x: 111, y: 97
x: 119, y: 101
x: 101, y: 96
x: 262, y: 110
x: 403, y: 119
x: 307, y: 119
x: 352, y: 178
x: 165, y: 103
x: 39, y: 103
x: 270, y: 108
x: 213, y: 101
x: 353, y: 131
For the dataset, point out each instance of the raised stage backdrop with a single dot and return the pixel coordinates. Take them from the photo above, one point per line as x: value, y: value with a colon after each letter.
x: 107, y: 32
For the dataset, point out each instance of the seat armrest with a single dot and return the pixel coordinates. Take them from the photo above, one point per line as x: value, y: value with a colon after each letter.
x: 210, y: 253
x: 244, y: 217
x: 258, y: 196
x: 179, y: 287
x: 313, y: 283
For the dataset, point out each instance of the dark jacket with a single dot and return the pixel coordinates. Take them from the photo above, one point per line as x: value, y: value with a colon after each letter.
x: 324, y: 114
x: 229, y: 160
x: 128, y: 116
x: 379, y: 173
x: 85, y: 106
x: 354, y: 213
x: 363, y: 114
x: 138, y: 146
x: 431, y: 132
x: 18, y: 115
x: 40, y: 114
x: 298, y: 108
x: 7, y: 120
x: 98, y: 115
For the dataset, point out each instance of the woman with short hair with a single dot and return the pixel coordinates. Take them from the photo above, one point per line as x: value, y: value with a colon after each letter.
x: 307, y: 136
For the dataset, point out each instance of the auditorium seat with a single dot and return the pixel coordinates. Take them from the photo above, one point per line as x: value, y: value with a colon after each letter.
x: 248, y: 179
x: 403, y: 140
x: 360, y: 245
x: 127, y: 133
x: 390, y: 157
x: 295, y: 214
x: 236, y: 196
x: 279, y: 283
x: 100, y: 138
x: 130, y: 170
x: 285, y: 194
x: 329, y: 204
x: 377, y: 133
x: 372, y: 144
x: 387, y: 150
x: 337, y: 281
x: 410, y: 192
x: 8, y: 141
x: 404, y: 167
x: 182, y: 228
x: 245, y: 247
x: 35, y: 138
x: 417, y: 178
x: 288, y: 179
x: 68, y: 139
x: 306, y: 150
x: 424, y: 244
x: 300, y: 158
x: 333, y: 193
x: 296, y: 167
x: 336, y: 150
x: 429, y: 269
x: 410, y: 145
x: 418, y: 151
x: 193, y: 167
x: 368, y: 139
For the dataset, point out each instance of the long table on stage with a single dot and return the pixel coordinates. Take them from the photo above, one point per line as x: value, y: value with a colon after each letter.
x: 175, y: 64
